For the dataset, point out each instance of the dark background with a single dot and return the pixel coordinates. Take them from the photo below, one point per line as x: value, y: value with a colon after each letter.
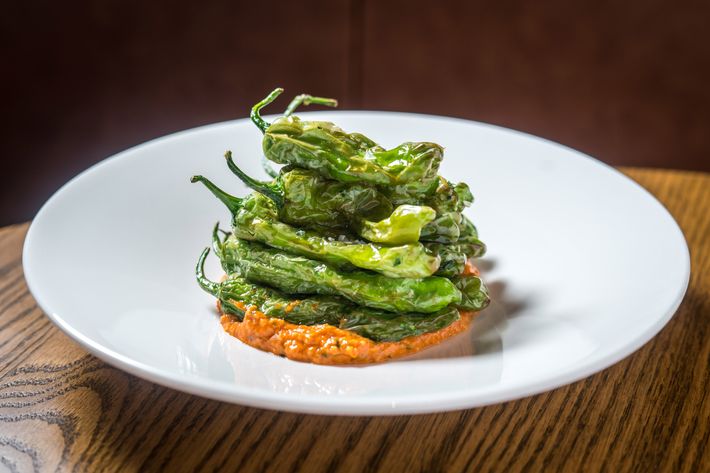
x: 627, y: 82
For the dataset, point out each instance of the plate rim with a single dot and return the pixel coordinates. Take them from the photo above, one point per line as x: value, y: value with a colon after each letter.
x: 334, y: 405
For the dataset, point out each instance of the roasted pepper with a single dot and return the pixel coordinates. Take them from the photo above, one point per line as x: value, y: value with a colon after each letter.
x: 404, y: 225
x: 298, y: 275
x: 306, y: 199
x: 469, y: 234
x: 374, y: 324
x: 255, y: 218
x: 474, y: 292
x: 443, y: 229
x: 447, y: 199
x: 347, y: 157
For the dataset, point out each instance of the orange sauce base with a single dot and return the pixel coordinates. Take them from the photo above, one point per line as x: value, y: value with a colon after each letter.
x: 328, y: 345
x: 325, y: 344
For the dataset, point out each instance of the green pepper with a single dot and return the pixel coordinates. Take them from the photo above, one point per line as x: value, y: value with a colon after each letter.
x: 469, y: 235
x: 450, y: 197
x: 443, y: 229
x: 255, y: 218
x: 454, y: 256
x: 389, y: 327
x: 347, y: 157
x: 306, y: 199
x: 468, y: 229
x: 447, y: 199
x: 304, y: 99
x: 298, y: 275
x: 413, y: 193
x: 474, y: 292
x: 440, y: 194
x: 453, y: 261
x: 404, y: 225
x: 374, y: 324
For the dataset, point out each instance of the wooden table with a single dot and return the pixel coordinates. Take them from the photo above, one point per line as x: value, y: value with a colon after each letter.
x: 63, y: 409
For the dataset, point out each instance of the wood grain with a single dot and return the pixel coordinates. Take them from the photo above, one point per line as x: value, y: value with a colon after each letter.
x: 61, y: 409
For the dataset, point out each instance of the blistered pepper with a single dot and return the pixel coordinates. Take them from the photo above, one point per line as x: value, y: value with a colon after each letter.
x: 306, y: 199
x: 256, y: 218
x: 454, y: 256
x: 377, y: 325
x: 298, y: 275
x: 347, y: 157
x: 447, y: 199
x: 474, y: 292
x: 469, y: 234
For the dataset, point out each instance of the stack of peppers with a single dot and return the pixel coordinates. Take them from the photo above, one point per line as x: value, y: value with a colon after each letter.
x: 347, y: 233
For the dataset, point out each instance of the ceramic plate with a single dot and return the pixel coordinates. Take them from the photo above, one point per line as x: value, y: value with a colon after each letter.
x: 584, y: 267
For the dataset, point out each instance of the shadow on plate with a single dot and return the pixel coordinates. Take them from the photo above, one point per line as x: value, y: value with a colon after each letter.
x: 484, y: 335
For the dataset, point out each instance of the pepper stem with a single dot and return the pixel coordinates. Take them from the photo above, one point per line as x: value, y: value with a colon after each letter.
x: 210, y: 287
x: 232, y: 203
x: 272, y: 191
x: 266, y: 166
x: 306, y: 99
x: 256, y: 109
x: 216, y: 241
x: 214, y: 288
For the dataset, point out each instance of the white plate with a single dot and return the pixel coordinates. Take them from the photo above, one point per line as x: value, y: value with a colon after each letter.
x: 584, y: 265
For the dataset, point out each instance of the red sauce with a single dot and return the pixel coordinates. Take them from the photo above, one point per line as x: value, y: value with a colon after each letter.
x: 470, y: 269
x: 325, y: 344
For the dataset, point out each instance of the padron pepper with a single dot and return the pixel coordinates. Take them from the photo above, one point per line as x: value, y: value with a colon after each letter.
x: 346, y: 157
x: 404, y: 225
x: 430, y: 190
x: 443, y: 229
x: 454, y: 256
x: 256, y: 218
x: 474, y: 292
x: 236, y: 294
x: 306, y: 199
x: 439, y: 193
x: 447, y: 199
x: 304, y: 99
x: 469, y: 235
x: 298, y: 275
